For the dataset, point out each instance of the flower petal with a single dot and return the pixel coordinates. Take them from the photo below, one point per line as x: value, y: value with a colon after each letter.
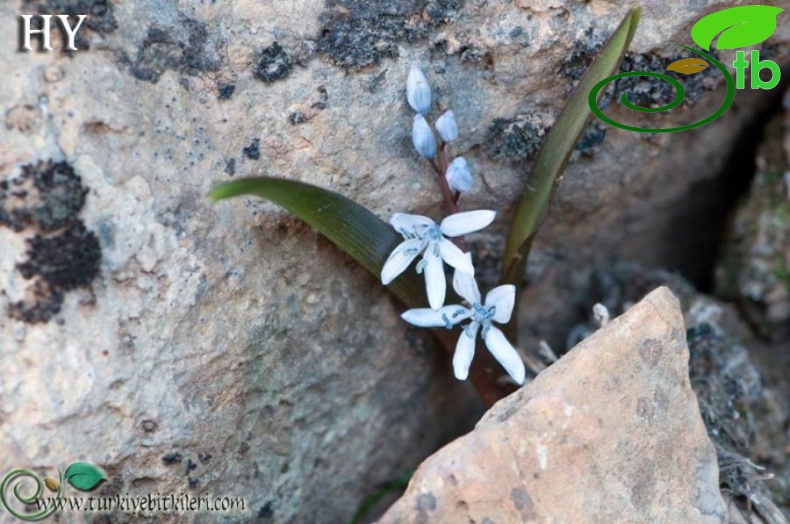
x: 455, y: 257
x: 405, y: 224
x: 435, y: 284
x: 465, y: 285
x: 426, y: 317
x: 399, y: 259
x: 467, y: 222
x: 464, y: 352
x: 505, y: 354
x: 503, y: 297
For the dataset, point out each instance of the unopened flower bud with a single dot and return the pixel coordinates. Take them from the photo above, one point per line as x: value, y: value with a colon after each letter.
x: 447, y: 127
x: 422, y: 137
x: 459, y: 178
x: 418, y: 92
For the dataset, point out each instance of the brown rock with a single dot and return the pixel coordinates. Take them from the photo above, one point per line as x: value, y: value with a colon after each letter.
x: 610, y: 433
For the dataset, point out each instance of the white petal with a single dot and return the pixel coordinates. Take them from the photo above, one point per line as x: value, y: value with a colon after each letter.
x: 425, y: 317
x: 435, y: 284
x: 455, y: 257
x: 503, y: 298
x: 399, y: 259
x: 505, y: 354
x: 467, y: 222
x: 405, y: 222
x: 465, y: 285
x: 464, y: 352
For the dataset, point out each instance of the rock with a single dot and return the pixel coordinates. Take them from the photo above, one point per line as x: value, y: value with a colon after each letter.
x: 610, y: 433
x: 755, y: 269
x: 745, y: 415
x: 171, y: 325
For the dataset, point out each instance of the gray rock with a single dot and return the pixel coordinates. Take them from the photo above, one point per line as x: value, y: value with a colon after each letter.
x: 170, y: 325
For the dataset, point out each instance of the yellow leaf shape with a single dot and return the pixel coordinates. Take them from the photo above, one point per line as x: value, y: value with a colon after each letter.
x: 51, y: 484
x: 688, y: 66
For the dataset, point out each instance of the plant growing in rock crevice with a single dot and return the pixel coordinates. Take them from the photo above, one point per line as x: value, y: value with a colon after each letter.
x: 387, y: 250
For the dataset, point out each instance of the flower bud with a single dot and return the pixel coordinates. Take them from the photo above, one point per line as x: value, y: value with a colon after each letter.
x: 418, y: 92
x: 458, y: 176
x: 422, y: 137
x: 447, y: 127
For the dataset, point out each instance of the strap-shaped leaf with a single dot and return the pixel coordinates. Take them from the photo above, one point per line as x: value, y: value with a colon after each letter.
x: 740, y: 26
x: 556, y: 151
x: 351, y: 227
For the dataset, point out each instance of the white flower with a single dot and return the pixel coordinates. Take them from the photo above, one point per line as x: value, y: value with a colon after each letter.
x: 447, y: 127
x: 458, y: 176
x: 497, y: 307
x: 423, y: 235
x: 422, y: 137
x: 418, y: 91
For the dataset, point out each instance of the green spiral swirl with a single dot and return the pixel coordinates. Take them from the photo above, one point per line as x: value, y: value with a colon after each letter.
x: 28, y: 500
x: 680, y: 94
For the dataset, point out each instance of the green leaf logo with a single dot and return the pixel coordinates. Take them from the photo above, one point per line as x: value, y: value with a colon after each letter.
x: 84, y: 476
x: 739, y: 27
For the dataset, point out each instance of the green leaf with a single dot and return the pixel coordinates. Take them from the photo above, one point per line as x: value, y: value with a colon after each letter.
x: 556, y: 151
x: 739, y: 26
x: 84, y: 476
x: 357, y: 231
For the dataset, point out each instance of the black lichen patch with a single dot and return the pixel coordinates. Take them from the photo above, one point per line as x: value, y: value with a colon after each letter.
x: 43, y: 303
x: 187, y: 49
x: 172, y: 458
x: 357, y: 34
x: 518, y: 138
x: 226, y: 91
x: 65, y: 261
x: 646, y: 91
x: 63, y: 254
x: 47, y: 195
x: 230, y: 166
x: 267, y: 511
x: 584, y: 51
x: 253, y: 151
x: 273, y: 64
x: 592, y: 137
x: 297, y: 117
x: 101, y: 15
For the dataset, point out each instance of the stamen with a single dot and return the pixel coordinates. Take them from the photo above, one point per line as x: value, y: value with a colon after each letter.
x: 421, y: 265
x: 447, y: 323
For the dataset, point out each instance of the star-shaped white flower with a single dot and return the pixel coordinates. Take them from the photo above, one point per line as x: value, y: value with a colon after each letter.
x: 423, y: 235
x: 497, y: 307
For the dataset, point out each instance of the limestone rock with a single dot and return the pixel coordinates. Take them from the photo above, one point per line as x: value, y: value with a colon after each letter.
x: 139, y: 322
x: 610, y: 433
